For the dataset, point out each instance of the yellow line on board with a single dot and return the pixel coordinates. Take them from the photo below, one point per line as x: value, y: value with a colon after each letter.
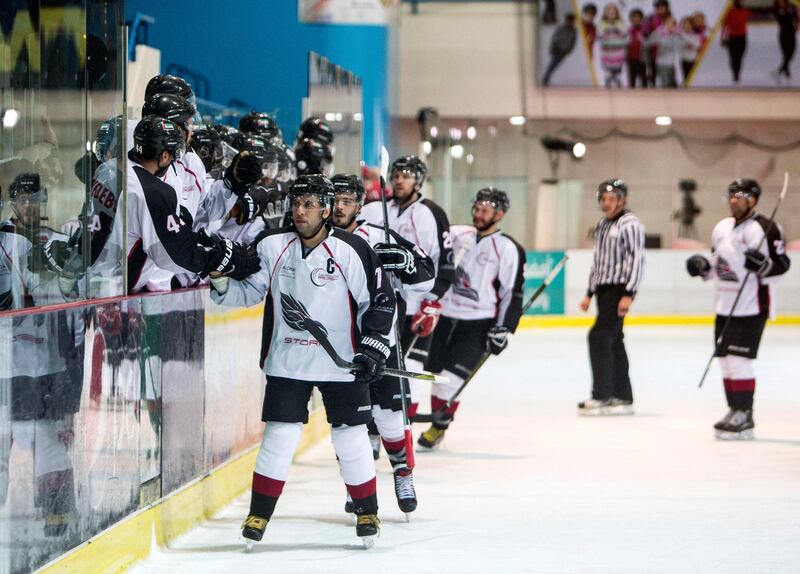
x: 254, y: 312
x: 547, y: 321
x: 131, y: 540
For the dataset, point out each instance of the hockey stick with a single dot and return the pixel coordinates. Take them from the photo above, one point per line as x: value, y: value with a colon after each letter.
x: 398, y: 348
x: 296, y: 316
x: 437, y: 415
x: 770, y: 225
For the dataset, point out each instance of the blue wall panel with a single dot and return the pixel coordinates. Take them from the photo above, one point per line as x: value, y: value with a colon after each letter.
x: 257, y: 51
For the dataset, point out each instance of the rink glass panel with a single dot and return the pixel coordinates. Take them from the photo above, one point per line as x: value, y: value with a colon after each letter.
x: 62, y: 69
x: 104, y: 408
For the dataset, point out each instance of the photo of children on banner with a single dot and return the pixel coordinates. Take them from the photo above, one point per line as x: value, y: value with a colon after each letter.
x: 662, y: 48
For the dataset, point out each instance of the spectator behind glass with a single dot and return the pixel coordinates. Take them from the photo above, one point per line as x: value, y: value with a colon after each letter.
x: 588, y: 14
x: 561, y: 44
x: 637, y: 66
x: 613, y: 42
x: 699, y: 27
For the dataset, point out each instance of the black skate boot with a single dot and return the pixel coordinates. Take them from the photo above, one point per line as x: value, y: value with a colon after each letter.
x: 739, y: 427
x: 431, y: 438
x: 253, y: 529
x: 404, y: 490
x: 594, y: 407
x: 368, y: 528
x: 723, y: 422
x: 349, y: 508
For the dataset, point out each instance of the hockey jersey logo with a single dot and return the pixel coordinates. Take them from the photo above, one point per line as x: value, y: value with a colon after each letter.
x: 725, y: 272
x: 296, y: 315
x: 462, y: 285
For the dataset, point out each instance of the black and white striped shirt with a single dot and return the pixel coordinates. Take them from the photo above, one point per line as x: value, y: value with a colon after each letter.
x: 618, y: 253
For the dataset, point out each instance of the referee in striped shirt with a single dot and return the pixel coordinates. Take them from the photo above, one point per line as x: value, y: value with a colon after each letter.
x: 617, y: 268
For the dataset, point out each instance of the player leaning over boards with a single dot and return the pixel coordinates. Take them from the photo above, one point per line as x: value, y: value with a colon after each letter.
x: 747, y: 253
x: 311, y: 272
x: 617, y: 268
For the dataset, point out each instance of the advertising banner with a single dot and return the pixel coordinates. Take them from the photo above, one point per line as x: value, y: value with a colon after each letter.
x: 538, y: 265
x: 370, y: 12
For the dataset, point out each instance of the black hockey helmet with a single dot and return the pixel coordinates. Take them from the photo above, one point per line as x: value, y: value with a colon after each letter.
x: 312, y: 157
x: 173, y: 107
x: 261, y: 124
x: 226, y: 132
x: 29, y: 186
x: 412, y: 164
x: 349, y: 183
x: 106, y: 139
x: 167, y: 84
x: 614, y: 185
x: 153, y: 135
x: 313, y: 184
x: 745, y: 186
x: 206, y: 143
x: 497, y: 197
x: 315, y: 129
x: 267, y: 152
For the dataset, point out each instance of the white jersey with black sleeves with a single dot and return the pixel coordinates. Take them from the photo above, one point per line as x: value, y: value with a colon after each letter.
x: 489, y: 278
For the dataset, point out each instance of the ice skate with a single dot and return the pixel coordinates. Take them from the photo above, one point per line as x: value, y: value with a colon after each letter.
x: 723, y: 422
x: 739, y: 427
x: 431, y: 438
x: 593, y: 407
x: 253, y: 529
x: 619, y: 407
x: 368, y: 528
x: 375, y: 441
x: 404, y: 490
x: 348, y: 505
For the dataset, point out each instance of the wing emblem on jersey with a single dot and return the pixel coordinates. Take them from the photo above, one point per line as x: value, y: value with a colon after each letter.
x: 462, y: 286
x: 296, y: 315
x: 725, y: 272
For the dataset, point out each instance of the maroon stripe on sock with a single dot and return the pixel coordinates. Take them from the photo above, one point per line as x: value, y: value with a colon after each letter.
x: 362, y: 490
x: 437, y: 404
x: 267, y: 486
x: 394, y: 446
x: 412, y: 410
x: 743, y: 385
x: 453, y: 408
x: 727, y: 383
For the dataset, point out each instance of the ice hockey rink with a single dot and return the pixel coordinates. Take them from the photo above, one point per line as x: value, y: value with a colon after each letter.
x: 523, y: 484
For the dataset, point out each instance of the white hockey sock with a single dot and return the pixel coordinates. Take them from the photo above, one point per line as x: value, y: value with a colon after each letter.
x: 355, y: 454
x: 277, y: 448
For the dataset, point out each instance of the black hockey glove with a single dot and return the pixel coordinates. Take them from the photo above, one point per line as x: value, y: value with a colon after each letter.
x: 205, y: 239
x: 251, y: 264
x: 698, y: 266
x: 757, y: 262
x: 55, y: 254
x: 231, y: 259
x: 497, y: 340
x: 396, y: 258
x: 371, y: 358
x: 244, y: 170
x: 275, y: 211
x: 251, y: 204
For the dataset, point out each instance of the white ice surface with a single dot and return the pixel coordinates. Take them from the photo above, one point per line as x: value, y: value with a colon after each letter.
x: 525, y: 485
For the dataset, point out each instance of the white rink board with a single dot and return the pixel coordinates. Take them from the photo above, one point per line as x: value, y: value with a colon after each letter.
x: 525, y: 485
x: 668, y: 290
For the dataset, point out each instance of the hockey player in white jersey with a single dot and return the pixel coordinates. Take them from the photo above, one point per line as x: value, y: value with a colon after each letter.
x: 481, y: 309
x: 425, y: 224
x: 415, y: 271
x: 745, y: 248
x: 312, y: 273
x: 158, y: 238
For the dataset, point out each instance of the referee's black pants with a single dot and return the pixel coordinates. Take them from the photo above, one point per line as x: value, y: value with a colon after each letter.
x: 607, y: 349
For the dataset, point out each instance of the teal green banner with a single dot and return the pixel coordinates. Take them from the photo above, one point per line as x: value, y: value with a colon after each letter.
x: 538, y: 265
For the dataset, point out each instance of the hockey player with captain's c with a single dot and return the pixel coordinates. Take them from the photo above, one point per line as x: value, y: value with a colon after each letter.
x: 158, y: 239
x: 306, y: 270
x: 747, y: 258
x: 415, y: 271
x: 423, y: 223
x: 481, y: 309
